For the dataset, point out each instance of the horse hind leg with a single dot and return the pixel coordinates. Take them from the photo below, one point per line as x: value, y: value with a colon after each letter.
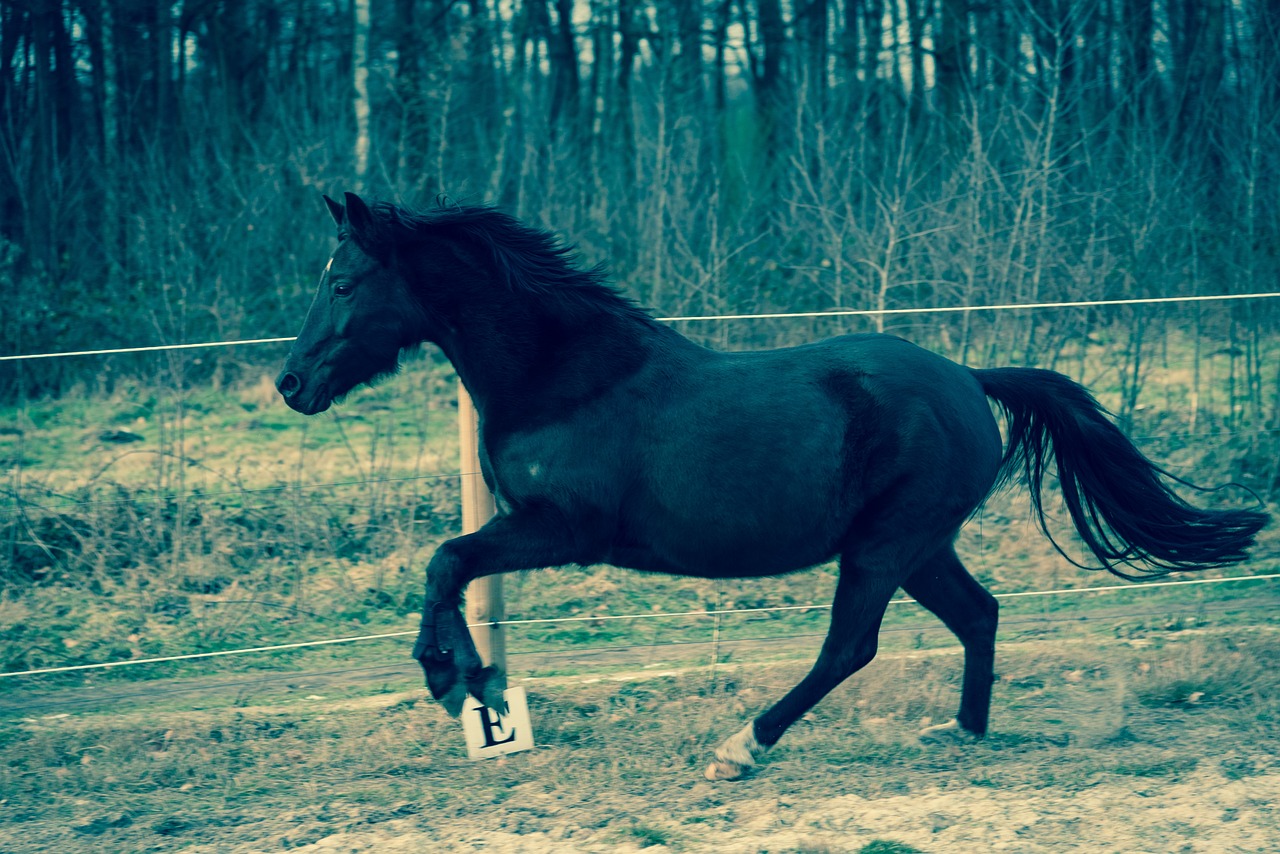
x: 944, y: 587
x: 860, y: 601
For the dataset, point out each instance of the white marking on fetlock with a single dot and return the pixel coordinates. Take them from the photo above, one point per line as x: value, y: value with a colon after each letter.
x: 741, y: 747
x: 736, y: 755
x: 951, y: 731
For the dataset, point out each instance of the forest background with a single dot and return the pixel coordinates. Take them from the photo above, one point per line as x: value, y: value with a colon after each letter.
x: 161, y: 162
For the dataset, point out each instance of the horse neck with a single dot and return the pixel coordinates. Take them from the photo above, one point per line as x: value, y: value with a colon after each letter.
x: 507, y: 347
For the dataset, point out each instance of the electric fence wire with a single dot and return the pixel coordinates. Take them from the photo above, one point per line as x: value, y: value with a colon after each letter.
x: 603, y: 618
x: 409, y: 670
x: 700, y: 318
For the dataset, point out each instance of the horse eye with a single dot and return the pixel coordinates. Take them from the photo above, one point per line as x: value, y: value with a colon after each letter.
x: 342, y: 290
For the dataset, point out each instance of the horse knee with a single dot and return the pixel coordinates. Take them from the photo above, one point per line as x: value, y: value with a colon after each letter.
x: 444, y: 575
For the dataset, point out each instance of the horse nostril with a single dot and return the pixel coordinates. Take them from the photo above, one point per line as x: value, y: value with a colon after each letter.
x: 288, y: 384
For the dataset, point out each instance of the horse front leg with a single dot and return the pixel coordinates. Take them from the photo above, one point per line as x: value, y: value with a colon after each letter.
x: 450, y: 661
x: 510, y: 542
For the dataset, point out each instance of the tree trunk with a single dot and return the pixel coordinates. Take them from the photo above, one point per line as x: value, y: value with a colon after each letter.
x: 566, y: 79
x: 161, y: 20
x: 66, y: 100
x: 915, y: 10
x: 686, y: 63
x: 411, y: 95
x: 814, y: 24
x: 768, y: 82
x: 38, y: 229
x: 951, y: 61
x: 1201, y: 62
x: 849, y: 42
x: 720, y: 37
x: 12, y: 25
x: 873, y: 27
x: 360, y: 102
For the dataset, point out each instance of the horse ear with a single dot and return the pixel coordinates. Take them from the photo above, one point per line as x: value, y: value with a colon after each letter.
x: 336, y: 211
x: 361, y: 222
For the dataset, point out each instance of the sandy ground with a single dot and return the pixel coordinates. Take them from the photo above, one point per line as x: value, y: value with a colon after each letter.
x: 1205, y: 813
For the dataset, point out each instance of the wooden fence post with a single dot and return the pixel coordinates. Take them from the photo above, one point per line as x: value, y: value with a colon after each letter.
x: 484, y: 595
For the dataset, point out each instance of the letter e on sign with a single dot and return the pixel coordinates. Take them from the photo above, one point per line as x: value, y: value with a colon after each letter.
x: 489, y: 734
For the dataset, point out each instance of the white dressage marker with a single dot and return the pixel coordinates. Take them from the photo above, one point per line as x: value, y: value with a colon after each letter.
x: 489, y: 734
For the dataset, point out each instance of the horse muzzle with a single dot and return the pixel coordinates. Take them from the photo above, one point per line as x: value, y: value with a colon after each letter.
x: 295, y: 392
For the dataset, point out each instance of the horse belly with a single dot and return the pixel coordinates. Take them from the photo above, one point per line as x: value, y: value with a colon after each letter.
x: 707, y: 547
x: 748, y: 502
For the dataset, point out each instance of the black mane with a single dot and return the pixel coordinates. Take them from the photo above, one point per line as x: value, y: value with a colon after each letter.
x: 530, y: 260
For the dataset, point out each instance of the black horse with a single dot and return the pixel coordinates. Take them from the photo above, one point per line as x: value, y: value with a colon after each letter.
x: 608, y: 437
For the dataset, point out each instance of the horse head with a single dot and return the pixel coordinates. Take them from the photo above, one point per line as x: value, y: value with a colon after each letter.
x: 363, y: 315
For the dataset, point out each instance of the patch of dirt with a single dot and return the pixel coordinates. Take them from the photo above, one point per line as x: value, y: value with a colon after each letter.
x: 1206, y: 813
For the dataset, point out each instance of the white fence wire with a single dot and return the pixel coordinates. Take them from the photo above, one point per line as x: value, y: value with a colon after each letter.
x: 1110, y: 588
x: 783, y: 315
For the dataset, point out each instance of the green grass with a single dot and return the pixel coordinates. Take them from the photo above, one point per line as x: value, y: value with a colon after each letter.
x: 882, y: 846
x: 646, y: 836
x: 231, y: 439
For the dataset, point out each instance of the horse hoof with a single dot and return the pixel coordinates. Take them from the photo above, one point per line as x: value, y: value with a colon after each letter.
x: 736, y: 756
x: 948, y: 733
x: 489, y: 689
x: 721, y: 770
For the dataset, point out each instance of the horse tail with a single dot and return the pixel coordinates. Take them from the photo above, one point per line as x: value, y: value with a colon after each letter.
x: 1120, y: 502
